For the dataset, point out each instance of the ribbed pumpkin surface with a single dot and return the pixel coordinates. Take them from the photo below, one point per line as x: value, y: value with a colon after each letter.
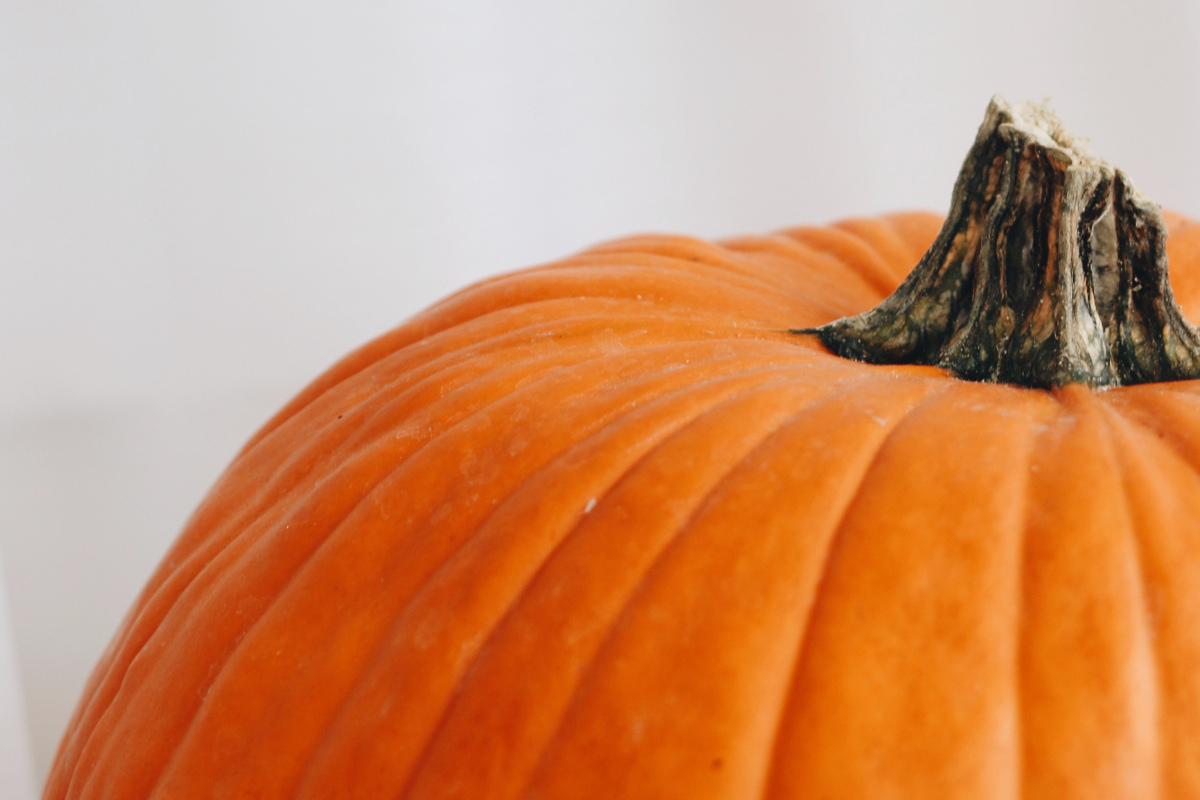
x: 605, y: 529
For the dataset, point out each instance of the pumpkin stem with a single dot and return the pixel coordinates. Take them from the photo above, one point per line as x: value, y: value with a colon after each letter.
x: 1050, y: 269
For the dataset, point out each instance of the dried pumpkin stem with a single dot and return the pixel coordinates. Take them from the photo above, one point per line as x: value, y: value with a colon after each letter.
x: 1050, y: 269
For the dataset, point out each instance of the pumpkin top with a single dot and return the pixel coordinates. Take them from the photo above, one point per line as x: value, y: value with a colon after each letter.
x: 1050, y: 269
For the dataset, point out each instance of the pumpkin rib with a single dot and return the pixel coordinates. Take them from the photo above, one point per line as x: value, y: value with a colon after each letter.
x: 466, y: 542
x: 846, y: 286
x: 1175, y: 606
x: 599, y: 498
x: 111, y: 709
x: 523, y: 346
x: 1161, y: 411
x: 789, y: 276
x: 439, y: 374
x: 602, y: 254
x: 1183, y: 247
x: 838, y: 531
x: 1132, y: 439
x: 631, y: 598
x: 770, y: 780
x: 409, y: 341
x: 721, y: 404
x: 885, y: 242
x: 909, y: 651
x: 422, y: 326
x: 308, y: 566
x: 447, y: 316
x: 915, y: 230
x: 676, y: 250
x: 419, y: 334
x: 1042, y: 438
x: 718, y: 285
x: 462, y: 726
x: 1112, y: 422
x: 850, y: 249
x: 435, y: 377
x: 1085, y: 651
x: 434, y: 319
x: 214, y: 538
x: 616, y: 276
x: 683, y: 281
x: 105, y: 713
x: 1019, y: 778
x: 849, y: 393
x: 790, y: 251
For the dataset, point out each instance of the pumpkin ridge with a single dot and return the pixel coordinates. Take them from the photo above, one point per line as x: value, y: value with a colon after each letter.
x: 839, y: 394
x: 108, y: 711
x: 672, y: 251
x: 901, y: 226
x: 774, y: 381
x: 621, y: 384
x: 451, y: 369
x: 456, y: 369
x: 1020, y: 688
x: 723, y: 397
x: 650, y: 463
x: 677, y: 528
x: 512, y: 350
x: 851, y: 251
x: 613, y: 276
x: 482, y: 328
x: 400, y: 616
x: 783, y: 255
x: 1085, y: 653
x: 1018, y: 672
x: 591, y: 441
x: 923, y: 579
x: 427, y: 328
x: 1145, y: 405
x: 724, y: 277
x: 441, y: 377
x: 1122, y: 430
x: 829, y: 268
x: 1114, y: 425
x: 1166, y: 532
x: 772, y: 757
x: 666, y: 250
x: 882, y: 239
x: 586, y: 668
x: 216, y: 538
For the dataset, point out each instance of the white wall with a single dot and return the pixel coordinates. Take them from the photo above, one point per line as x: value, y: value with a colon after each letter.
x: 203, y: 204
x: 16, y: 762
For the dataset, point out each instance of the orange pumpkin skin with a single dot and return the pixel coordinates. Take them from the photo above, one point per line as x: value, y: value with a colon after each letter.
x: 605, y: 529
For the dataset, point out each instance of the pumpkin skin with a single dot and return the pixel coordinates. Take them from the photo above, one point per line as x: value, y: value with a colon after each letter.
x: 603, y: 528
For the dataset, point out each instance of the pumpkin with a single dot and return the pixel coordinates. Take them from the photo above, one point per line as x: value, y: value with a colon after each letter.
x: 610, y: 527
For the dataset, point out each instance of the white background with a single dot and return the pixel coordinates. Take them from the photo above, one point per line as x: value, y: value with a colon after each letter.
x: 203, y: 204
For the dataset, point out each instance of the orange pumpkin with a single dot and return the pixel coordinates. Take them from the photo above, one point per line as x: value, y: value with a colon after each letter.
x: 606, y: 528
